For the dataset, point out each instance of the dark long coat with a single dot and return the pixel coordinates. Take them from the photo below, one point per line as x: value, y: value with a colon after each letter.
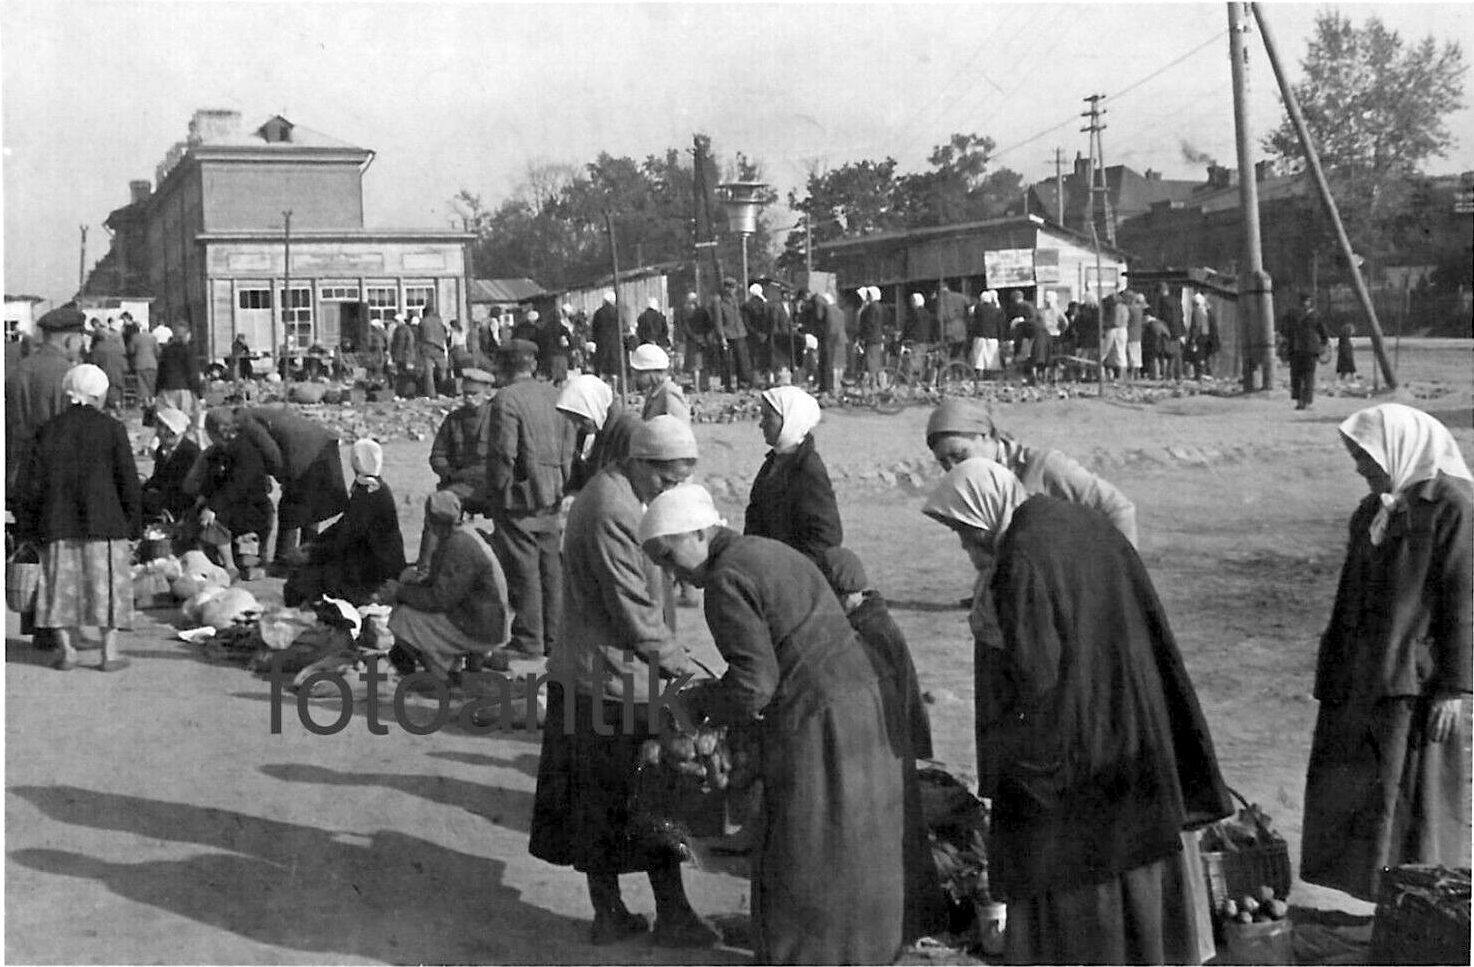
x: 80, y: 482
x: 827, y: 871
x: 353, y: 558
x: 1100, y: 753
x: 1378, y: 793
x: 793, y: 501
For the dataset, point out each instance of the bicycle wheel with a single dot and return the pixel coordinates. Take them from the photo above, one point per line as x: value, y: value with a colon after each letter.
x: 893, y: 392
x: 955, y: 379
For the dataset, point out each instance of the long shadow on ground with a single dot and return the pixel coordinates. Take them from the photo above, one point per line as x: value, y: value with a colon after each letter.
x: 511, y: 808
x: 381, y: 895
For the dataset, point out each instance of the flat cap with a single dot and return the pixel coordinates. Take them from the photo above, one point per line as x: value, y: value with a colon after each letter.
x: 474, y: 375
x: 444, y: 505
x: 61, y: 319
x: 518, y: 346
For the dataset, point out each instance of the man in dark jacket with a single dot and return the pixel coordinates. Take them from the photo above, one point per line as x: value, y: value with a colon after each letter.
x: 731, y: 333
x: 458, y: 454
x: 179, y: 371
x: 527, y: 466
x: 834, y: 342
x: 302, y: 455
x: 1302, y: 336
x: 652, y: 326
x: 33, y: 392
x: 111, y: 356
x: 143, y: 358
x: 555, y: 340
x: 432, y: 348
x: 759, y: 324
x: 608, y: 339
x: 697, y: 338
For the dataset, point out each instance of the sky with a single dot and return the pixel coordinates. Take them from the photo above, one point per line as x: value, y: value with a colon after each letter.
x: 470, y: 95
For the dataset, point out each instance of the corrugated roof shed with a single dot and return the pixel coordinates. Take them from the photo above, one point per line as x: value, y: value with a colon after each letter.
x: 502, y: 290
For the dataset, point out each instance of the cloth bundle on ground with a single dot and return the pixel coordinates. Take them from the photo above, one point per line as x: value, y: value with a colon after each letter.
x: 196, y: 574
x: 220, y: 608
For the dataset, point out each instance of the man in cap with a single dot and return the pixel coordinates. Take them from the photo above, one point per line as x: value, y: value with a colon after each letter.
x: 652, y: 327
x: 403, y: 351
x: 732, y: 335
x: 694, y: 328
x: 459, y: 451
x: 33, y: 392
x: 650, y: 369
x: 527, y: 466
x: 460, y: 608
x: 432, y: 344
x: 784, y: 352
x: 110, y: 355
x: 608, y: 339
x: 620, y: 640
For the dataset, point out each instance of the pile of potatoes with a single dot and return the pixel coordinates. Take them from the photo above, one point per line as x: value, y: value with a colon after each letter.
x: 714, y: 756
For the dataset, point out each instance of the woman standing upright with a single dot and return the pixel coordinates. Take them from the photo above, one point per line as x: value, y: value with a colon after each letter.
x: 792, y: 499
x: 81, y: 501
x: 1389, y: 764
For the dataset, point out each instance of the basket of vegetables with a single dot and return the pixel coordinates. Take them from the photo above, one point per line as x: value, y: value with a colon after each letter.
x: 1243, y: 855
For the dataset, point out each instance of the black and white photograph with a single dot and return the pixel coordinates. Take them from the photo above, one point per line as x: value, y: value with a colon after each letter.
x: 737, y: 483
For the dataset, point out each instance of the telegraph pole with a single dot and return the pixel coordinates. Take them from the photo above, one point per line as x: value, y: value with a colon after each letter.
x: 82, y: 259
x: 1312, y: 160
x: 1094, y: 129
x: 280, y: 347
x: 1059, y: 186
x: 1256, y: 289
x: 614, y: 264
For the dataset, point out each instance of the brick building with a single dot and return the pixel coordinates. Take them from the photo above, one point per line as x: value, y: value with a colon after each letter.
x: 207, y: 242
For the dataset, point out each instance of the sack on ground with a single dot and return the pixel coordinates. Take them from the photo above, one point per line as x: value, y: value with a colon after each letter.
x: 282, y: 626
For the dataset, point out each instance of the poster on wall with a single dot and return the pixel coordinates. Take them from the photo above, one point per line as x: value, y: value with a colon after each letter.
x: 1109, y: 273
x: 1009, y: 267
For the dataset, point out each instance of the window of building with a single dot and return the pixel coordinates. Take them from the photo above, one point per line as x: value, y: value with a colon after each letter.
x: 339, y: 292
x: 297, y: 317
x: 383, y: 301
x: 416, y: 297
x: 253, y: 298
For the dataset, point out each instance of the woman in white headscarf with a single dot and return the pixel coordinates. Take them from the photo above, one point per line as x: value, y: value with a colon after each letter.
x: 1388, y: 781
x: 174, y: 455
x: 353, y: 558
x: 792, y: 499
x: 604, y: 428
x: 79, y: 499
x: 1090, y: 740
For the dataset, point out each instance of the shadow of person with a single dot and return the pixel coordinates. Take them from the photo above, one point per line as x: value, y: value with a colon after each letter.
x: 383, y: 895
x: 511, y: 808
x: 20, y: 651
x: 912, y: 604
x: 525, y: 762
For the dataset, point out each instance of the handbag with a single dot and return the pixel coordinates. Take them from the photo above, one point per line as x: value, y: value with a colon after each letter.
x: 22, y: 577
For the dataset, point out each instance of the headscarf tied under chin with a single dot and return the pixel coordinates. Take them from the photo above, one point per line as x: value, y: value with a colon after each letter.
x: 588, y: 396
x: 977, y: 493
x: 1410, y: 446
x: 799, y: 412
x: 367, y: 459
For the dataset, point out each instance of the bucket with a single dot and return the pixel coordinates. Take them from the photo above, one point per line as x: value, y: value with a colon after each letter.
x: 992, y: 921
x: 1270, y: 942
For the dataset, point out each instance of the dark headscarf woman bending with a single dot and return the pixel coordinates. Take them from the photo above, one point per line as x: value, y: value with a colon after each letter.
x: 827, y: 867
x: 1389, y: 765
x: 1090, y: 739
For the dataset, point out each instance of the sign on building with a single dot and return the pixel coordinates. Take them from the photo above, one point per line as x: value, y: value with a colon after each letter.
x: 1010, y: 267
x: 1109, y: 273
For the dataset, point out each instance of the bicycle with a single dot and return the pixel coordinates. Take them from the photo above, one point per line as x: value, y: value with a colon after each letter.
x: 940, y: 375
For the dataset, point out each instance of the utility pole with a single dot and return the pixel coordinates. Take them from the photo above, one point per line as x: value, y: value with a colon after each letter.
x: 82, y: 260
x: 808, y: 246
x: 1059, y: 186
x: 1312, y: 160
x: 1094, y: 129
x: 1097, y: 167
x: 614, y: 263
x: 286, y: 302
x: 1256, y: 289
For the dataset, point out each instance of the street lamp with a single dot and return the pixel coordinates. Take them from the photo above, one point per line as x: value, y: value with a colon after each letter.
x: 742, y: 199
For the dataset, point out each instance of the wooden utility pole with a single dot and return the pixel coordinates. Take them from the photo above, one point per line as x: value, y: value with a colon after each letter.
x: 1094, y: 129
x: 614, y: 263
x: 82, y: 259
x: 1256, y: 289
x: 279, y: 347
x: 1059, y: 186
x: 1312, y: 160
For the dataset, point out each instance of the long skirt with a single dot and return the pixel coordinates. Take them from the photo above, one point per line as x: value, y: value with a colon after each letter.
x: 317, y: 495
x: 827, y: 876
x: 1378, y: 794
x: 1142, y: 916
x: 85, y: 584
x: 581, y: 810
x: 434, y: 637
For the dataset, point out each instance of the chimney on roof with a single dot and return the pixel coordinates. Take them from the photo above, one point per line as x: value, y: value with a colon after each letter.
x: 213, y: 124
x: 1082, y: 168
x: 138, y: 191
x: 1219, y: 176
x: 1153, y: 175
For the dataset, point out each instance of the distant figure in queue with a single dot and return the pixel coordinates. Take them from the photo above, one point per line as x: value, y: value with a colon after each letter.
x: 1303, y: 337
x: 828, y: 867
x: 792, y: 499
x: 1389, y: 777
x: 608, y: 339
x: 1091, y: 743
x: 432, y: 346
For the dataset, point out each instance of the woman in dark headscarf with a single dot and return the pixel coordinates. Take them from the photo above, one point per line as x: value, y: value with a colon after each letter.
x: 80, y: 500
x: 1090, y: 740
x: 353, y: 558
x: 792, y: 499
x: 1389, y: 765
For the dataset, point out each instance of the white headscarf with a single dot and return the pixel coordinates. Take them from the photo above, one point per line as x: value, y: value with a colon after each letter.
x: 588, y: 396
x: 85, y: 383
x: 367, y: 460
x: 755, y: 289
x: 978, y: 493
x: 799, y: 412
x: 1409, y: 445
x: 682, y: 509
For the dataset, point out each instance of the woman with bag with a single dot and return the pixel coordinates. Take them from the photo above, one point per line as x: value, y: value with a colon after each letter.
x: 80, y: 501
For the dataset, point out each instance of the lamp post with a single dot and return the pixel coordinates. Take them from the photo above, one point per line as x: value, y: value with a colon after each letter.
x: 742, y: 199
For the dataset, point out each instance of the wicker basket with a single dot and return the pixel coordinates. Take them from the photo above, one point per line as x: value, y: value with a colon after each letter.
x: 1422, y: 916
x: 1232, y: 874
x: 22, y: 575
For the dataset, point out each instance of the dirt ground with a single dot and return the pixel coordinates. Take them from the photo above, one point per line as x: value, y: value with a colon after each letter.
x: 152, y: 817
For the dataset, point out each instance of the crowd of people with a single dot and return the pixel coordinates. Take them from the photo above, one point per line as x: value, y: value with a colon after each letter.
x: 567, y: 528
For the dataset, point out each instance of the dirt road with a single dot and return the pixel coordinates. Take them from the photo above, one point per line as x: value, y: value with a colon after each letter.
x: 151, y: 816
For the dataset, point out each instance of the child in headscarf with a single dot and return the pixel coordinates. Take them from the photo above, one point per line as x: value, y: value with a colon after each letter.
x: 353, y: 558
x: 792, y: 499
